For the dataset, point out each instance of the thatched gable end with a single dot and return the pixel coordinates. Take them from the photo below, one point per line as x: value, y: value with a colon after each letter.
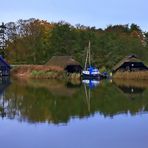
x: 130, y: 63
x: 66, y: 63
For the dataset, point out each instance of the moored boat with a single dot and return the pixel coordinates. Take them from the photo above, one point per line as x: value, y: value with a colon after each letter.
x: 91, y: 73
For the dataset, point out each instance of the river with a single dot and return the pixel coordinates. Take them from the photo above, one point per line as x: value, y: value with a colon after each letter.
x: 57, y: 114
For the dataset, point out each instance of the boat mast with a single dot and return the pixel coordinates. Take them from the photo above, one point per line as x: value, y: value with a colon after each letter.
x: 86, y: 60
x: 89, y: 52
x: 87, y: 57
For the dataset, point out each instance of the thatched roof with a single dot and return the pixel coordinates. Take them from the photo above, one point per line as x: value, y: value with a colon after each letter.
x: 130, y: 58
x: 62, y: 61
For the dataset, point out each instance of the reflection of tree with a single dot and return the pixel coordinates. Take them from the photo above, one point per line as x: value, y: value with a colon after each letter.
x: 2, y: 106
x: 38, y: 103
x: 4, y: 83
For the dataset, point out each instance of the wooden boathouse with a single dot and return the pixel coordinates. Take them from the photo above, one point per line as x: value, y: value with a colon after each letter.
x: 66, y: 63
x: 130, y: 63
x: 4, y: 67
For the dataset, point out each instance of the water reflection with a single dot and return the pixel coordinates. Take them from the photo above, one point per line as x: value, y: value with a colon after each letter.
x: 4, y: 83
x: 91, y: 83
x: 132, y: 88
x: 57, y: 102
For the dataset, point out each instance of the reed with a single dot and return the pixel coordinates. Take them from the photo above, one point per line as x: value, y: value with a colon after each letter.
x: 74, y: 76
x: 37, y: 71
x: 47, y: 74
x: 140, y: 75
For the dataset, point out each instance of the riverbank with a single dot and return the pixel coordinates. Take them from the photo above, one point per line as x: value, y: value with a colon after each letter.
x: 41, y: 72
x: 143, y: 75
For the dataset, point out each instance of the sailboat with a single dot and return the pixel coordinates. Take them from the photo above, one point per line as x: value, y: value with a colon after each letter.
x: 90, y: 72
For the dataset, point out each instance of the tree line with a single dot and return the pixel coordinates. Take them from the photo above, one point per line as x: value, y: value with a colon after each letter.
x: 35, y: 41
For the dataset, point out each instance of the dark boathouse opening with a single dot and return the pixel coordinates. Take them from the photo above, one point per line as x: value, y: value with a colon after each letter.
x: 73, y: 68
x: 133, y: 66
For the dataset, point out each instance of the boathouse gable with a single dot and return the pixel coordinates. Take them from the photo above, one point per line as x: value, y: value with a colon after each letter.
x: 130, y: 63
x: 66, y: 63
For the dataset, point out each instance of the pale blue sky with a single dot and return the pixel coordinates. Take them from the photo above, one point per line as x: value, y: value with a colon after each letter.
x: 99, y: 13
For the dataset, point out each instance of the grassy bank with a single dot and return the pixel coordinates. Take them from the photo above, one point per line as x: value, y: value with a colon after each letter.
x: 143, y: 75
x: 42, y: 72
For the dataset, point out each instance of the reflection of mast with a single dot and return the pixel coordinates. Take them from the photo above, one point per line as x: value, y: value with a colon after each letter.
x: 87, y: 94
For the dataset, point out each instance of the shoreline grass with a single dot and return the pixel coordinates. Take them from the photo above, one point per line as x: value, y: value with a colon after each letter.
x: 140, y: 75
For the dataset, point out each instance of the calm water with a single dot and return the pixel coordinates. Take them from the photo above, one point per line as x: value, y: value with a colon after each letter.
x: 54, y: 114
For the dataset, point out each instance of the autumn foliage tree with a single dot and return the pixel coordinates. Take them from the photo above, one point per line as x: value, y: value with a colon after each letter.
x: 34, y: 41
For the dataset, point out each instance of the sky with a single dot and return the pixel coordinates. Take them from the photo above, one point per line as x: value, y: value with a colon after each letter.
x: 98, y: 13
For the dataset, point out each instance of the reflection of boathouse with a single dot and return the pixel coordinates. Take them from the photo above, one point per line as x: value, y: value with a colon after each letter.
x: 66, y: 63
x: 130, y: 63
x: 131, y: 88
